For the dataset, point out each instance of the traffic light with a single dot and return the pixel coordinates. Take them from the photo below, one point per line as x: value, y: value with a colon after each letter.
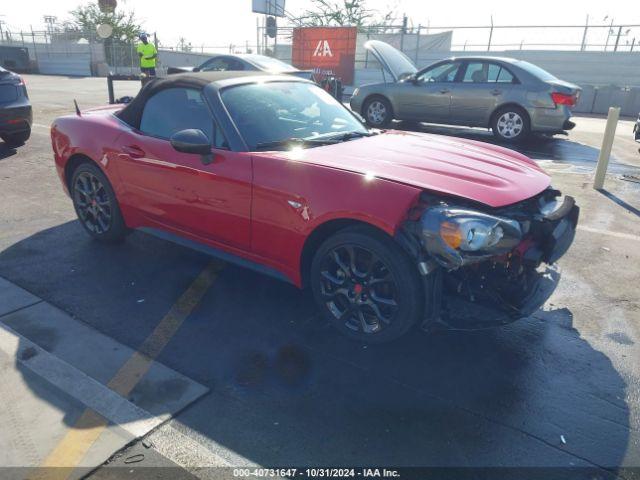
x: 272, y: 27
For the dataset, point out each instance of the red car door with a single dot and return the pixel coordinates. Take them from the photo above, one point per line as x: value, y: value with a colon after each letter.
x: 176, y: 191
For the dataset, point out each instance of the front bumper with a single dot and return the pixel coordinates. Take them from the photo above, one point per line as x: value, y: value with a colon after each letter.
x: 500, y: 291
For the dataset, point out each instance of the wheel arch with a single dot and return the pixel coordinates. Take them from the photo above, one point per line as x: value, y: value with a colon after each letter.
x: 322, y: 232
x: 73, y: 163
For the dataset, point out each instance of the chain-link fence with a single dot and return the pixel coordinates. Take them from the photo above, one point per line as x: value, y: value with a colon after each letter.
x: 609, y: 37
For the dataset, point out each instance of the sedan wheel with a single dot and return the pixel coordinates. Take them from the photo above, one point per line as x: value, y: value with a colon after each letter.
x: 378, y: 112
x: 510, y: 125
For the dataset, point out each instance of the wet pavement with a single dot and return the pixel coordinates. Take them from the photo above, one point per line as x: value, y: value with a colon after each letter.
x: 559, y: 389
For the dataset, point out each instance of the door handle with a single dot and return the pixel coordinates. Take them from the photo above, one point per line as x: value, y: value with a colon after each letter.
x: 496, y: 92
x: 133, y: 151
x: 445, y: 90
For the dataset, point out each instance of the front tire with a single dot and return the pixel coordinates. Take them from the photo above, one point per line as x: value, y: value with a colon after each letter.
x: 96, y: 205
x: 377, y: 112
x: 511, y: 124
x: 366, y: 285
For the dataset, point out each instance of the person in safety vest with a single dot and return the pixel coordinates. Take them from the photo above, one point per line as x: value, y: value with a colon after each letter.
x: 148, y: 55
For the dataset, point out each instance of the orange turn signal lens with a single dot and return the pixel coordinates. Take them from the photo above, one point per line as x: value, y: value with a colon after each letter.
x: 451, y: 234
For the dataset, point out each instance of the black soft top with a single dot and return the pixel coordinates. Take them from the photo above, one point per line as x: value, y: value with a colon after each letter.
x: 132, y: 113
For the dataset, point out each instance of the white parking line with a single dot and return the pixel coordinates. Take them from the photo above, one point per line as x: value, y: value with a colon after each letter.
x: 626, y: 236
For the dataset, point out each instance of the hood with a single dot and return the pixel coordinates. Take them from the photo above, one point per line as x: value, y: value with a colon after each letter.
x: 477, y: 171
x: 392, y: 60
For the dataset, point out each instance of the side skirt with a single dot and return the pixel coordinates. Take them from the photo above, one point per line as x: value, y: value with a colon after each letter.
x: 216, y: 253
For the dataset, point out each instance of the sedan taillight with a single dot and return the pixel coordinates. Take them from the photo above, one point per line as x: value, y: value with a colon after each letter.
x: 563, y: 99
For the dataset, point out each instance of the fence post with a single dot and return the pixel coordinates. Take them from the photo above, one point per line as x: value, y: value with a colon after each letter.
x: 615, y: 48
x: 490, y: 34
x: 418, y: 44
x: 584, y: 35
x: 402, y: 32
x: 35, y: 50
x: 605, y: 150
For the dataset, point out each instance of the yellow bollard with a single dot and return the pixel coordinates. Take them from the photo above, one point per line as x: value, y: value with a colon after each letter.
x: 605, y: 150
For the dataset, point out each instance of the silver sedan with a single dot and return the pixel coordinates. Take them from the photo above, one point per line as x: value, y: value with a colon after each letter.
x: 512, y: 97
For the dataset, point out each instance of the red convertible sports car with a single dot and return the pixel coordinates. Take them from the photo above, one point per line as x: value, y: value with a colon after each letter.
x: 389, y: 229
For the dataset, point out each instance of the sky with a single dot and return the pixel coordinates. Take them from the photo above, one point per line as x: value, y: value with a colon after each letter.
x: 215, y: 23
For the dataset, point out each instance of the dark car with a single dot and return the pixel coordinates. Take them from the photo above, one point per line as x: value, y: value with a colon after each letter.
x: 244, y: 63
x: 15, y: 109
x: 387, y: 228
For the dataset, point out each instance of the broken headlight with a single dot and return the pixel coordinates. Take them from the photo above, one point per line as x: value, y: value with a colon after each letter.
x: 455, y: 236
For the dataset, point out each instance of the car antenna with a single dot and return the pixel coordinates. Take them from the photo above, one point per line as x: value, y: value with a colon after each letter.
x: 77, y: 108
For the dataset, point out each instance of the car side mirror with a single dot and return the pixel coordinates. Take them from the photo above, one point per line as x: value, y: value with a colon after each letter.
x: 191, y: 140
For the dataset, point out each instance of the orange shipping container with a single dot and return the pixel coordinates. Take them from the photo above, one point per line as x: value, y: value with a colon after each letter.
x: 326, y: 50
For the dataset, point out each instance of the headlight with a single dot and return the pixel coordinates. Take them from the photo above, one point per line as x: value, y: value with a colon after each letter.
x: 457, y: 237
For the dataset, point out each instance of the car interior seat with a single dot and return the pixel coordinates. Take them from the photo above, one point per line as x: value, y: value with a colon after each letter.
x: 478, y: 76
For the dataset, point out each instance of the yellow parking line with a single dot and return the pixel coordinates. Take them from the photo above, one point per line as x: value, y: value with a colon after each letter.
x: 75, y: 444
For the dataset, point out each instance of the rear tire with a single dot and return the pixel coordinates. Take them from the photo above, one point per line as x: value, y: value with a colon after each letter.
x: 16, y: 139
x: 96, y: 204
x: 377, y: 112
x: 511, y: 124
x: 366, y: 285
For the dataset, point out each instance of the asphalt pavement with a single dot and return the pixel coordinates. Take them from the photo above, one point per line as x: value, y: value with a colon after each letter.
x: 559, y: 389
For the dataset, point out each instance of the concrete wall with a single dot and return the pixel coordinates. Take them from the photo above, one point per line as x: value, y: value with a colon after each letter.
x: 63, y: 58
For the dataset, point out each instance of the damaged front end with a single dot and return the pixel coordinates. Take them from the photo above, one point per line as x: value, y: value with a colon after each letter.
x: 483, y: 267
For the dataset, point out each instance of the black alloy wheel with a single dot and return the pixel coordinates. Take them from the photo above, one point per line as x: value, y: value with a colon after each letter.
x: 359, y: 289
x: 96, y: 205
x: 93, y: 204
x: 366, y: 285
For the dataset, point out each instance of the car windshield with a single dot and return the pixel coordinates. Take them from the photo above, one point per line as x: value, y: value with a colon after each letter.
x: 270, y: 64
x: 536, y: 71
x: 267, y: 113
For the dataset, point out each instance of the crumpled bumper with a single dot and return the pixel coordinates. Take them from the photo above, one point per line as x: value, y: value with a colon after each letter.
x: 491, y: 295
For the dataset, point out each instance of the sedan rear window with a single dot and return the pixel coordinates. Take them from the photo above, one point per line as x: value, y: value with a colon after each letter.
x: 536, y: 71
